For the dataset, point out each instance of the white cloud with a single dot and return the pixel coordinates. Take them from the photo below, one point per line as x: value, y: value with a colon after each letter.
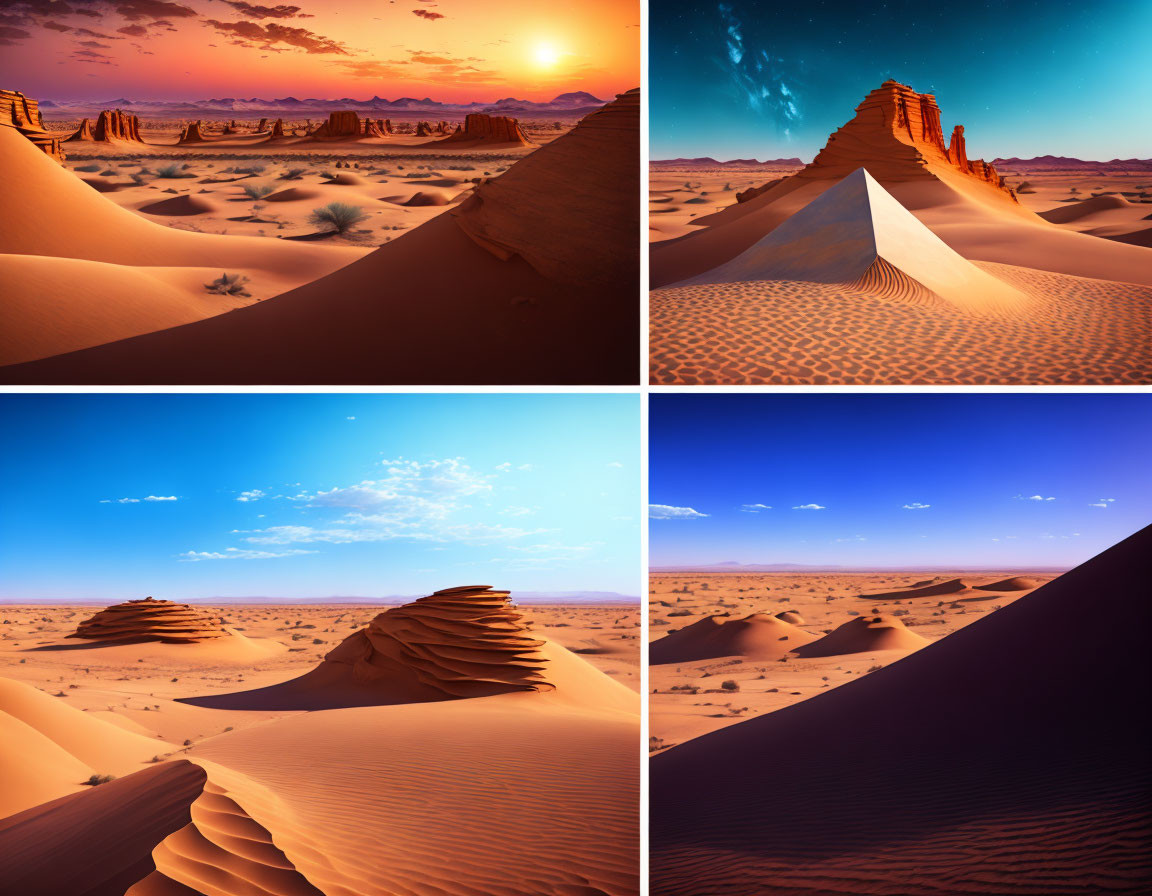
x: 916, y: 505
x: 1033, y: 498
x: 1104, y: 502
x: 668, y: 512
x: 349, y: 418
x: 853, y: 538
x: 754, y: 508
x: 615, y: 463
x: 251, y: 495
x: 138, y: 500
x: 809, y: 507
x: 237, y: 554
x: 160, y: 498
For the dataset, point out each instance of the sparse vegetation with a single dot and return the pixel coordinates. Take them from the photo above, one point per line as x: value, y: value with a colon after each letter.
x: 338, y: 216
x: 97, y: 780
x: 257, y: 191
x: 228, y: 285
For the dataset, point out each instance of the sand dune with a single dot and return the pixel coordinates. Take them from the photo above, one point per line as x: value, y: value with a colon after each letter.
x: 152, y: 620
x: 50, y: 749
x: 546, y: 248
x: 930, y: 589
x: 1014, y: 583
x: 865, y: 634
x: 985, y: 763
x: 758, y: 636
x: 1077, y: 210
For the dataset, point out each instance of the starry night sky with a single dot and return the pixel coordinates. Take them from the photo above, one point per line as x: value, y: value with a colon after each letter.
x: 767, y: 79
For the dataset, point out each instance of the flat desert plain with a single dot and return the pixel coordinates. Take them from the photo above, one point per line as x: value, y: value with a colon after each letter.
x: 688, y: 694
x: 456, y: 745
x: 896, y: 256
x: 150, y: 251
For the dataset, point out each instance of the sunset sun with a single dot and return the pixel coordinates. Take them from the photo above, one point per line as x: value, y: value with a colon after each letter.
x: 546, y: 55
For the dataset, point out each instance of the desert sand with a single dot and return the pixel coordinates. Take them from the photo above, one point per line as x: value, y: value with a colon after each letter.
x: 454, y: 726
x: 790, y: 274
x: 481, y: 233
x: 1005, y: 754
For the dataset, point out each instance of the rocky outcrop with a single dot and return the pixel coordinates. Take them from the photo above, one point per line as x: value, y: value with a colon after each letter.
x: 338, y: 125
x: 23, y: 114
x: 230, y: 128
x: 84, y: 132
x: 278, y: 128
x: 192, y: 133
x: 463, y: 642
x: 443, y: 128
x: 152, y: 620
x: 262, y: 126
x: 897, y: 136
x: 376, y: 127
x: 481, y: 128
x: 423, y: 129
x: 112, y: 126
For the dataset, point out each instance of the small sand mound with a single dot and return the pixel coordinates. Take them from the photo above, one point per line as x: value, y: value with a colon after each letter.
x: 152, y: 620
x: 1076, y: 210
x: 865, y: 634
x: 791, y: 616
x: 100, y: 185
x: 1016, y: 583
x: 179, y: 205
x: 429, y: 197
x: 758, y: 636
x: 292, y: 194
x: 464, y: 642
x: 949, y: 586
x: 345, y: 179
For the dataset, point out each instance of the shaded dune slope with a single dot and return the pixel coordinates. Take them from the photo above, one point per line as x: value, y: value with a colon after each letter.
x: 545, y: 249
x: 865, y: 634
x: 1010, y: 756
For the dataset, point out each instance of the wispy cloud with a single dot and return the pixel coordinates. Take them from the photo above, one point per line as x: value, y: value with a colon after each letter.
x: 254, y: 494
x: 809, y: 507
x: 1033, y: 498
x: 138, y: 500
x: 669, y: 512
x: 916, y: 505
x: 1103, y: 502
x: 238, y: 554
x: 754, y: 508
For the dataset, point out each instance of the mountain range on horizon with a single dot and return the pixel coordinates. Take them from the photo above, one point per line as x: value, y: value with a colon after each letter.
x: 734, y: 566
x: 1038, y: 163
x: 572, y: 102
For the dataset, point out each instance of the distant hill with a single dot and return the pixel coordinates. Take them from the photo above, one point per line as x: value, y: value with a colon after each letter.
x: 1065, y: 163
x: 709, y: 162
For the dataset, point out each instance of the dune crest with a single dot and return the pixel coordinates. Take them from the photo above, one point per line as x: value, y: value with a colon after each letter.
x: 865, y: 634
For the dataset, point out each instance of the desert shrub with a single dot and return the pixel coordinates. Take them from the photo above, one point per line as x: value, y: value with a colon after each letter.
x: 97, y: 780
x: 250, y: 169
x: 338, y: 216
x: 730, y: 685
x: 228, y: 285
x: 293, y: 173
x: 172, y: 170
x: 141, y: 176
x: 257, y: 191
x: 88, y: 169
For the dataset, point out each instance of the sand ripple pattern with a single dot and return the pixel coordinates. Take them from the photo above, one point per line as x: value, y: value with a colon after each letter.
x: 463, y: 642
x: 1068, y: 330
x: 151, y: 620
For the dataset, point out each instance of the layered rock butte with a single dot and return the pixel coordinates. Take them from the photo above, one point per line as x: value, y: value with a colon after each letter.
x: 111, y: 125
x: 482, y: 128
x: 192, y: 133
x: 896, y: 135
x: 19, y: 112
x: 463, y: 642
x: 152, y: 620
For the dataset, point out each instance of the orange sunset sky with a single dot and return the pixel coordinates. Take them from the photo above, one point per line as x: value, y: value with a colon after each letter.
x: 449, y: 50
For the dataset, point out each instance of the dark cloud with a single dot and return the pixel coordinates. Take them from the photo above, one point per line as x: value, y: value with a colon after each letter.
x: 267, y: 36
x: 10, y: 36
x: 268, y: 12
x: 133, y: 30
x: 137, y: 10
x: 88, y: 32
x: 56, y: 26
x: 427, y: 14
x: 95, y: 44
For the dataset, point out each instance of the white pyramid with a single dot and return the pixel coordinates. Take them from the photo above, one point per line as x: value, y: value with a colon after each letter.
x: 850, y: 231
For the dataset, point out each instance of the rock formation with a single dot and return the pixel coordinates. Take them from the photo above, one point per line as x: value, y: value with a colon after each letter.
x: 896, y: 135
x: 376, y: 127
x: 278, y: 128
x: 481, y: 128
x: 462, y: 642
x: 339, y: 124
x: 262, y: 126
x: 152, y: 620
x: 230, y: 128
x: 112, y: 125
x: 442, y: 128
x: 192, y: 133
x: 23, y: 114
x: 423, y: 129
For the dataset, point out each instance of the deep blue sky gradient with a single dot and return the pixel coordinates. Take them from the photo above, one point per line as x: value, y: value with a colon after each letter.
x: 977, y: 461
